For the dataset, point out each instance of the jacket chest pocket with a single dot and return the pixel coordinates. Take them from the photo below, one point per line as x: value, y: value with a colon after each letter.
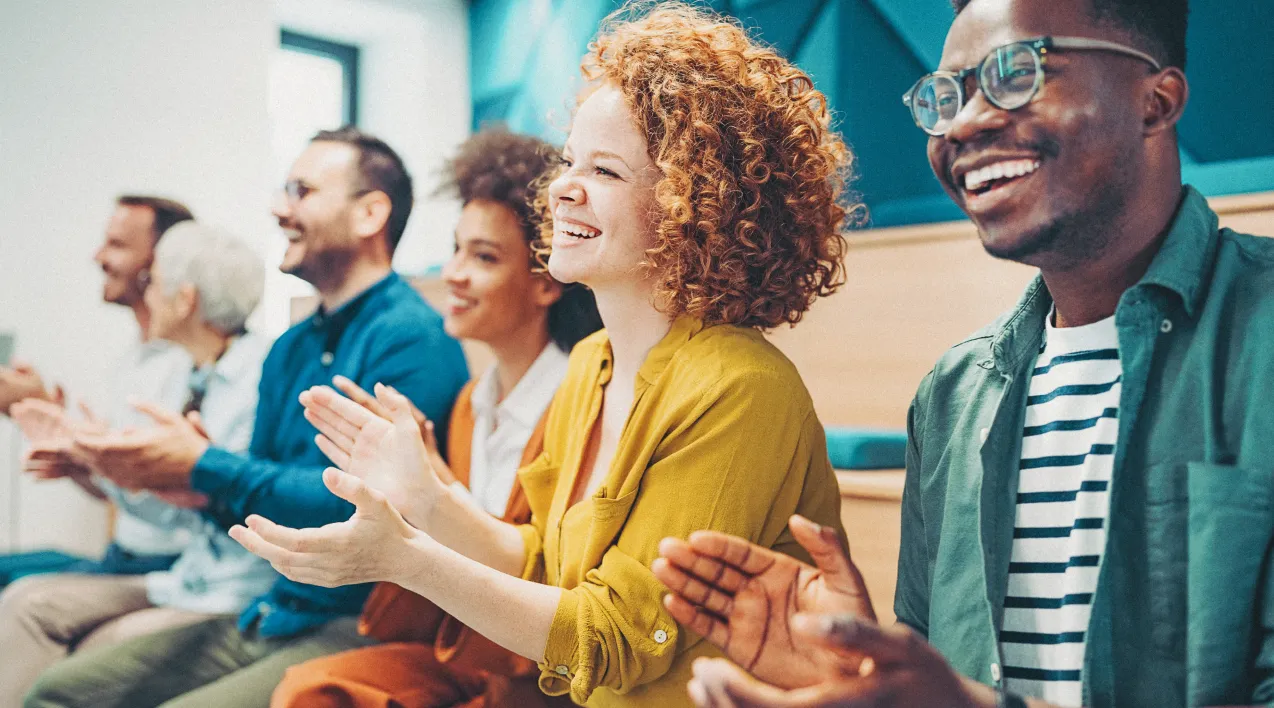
x: 1208, y: 530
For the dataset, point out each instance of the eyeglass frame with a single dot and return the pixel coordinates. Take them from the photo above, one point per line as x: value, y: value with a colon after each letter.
x: 1039, y: 47
x: 295, y: 190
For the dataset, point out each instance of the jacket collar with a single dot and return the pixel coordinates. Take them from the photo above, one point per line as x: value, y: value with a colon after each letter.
x: 1180, y: 267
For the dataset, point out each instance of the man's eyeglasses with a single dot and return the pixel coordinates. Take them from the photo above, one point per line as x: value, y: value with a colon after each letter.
x: 296, y: 190
x: 1009, y: 77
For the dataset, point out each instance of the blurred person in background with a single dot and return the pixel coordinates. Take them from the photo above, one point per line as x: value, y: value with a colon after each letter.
x: 343, y: 209
x: 151, y: 370
x: 204, y: 284
x: 530, y: 322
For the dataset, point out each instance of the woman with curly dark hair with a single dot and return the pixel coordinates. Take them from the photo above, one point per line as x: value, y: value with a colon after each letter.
x: 702, y: 199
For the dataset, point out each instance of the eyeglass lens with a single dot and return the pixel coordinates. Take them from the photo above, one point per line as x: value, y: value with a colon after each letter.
x: 1008, y: 77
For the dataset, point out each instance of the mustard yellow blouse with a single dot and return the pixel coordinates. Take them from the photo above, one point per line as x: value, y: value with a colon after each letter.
x: 722, y: 435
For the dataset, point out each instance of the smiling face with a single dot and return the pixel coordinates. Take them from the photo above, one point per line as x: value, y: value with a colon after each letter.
x: 603, y: 203
x: 322, y: 243
x: 125, y: 253
x: 1046, y: 182
x: 492, y: 293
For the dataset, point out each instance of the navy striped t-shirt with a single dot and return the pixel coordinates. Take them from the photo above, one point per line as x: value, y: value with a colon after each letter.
x: 1059, y: 533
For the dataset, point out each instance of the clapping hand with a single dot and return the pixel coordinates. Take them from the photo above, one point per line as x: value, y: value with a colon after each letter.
x: 160, y: 457
x: 743, y: 598
x: 879, y: 667
x: 50, y: 433
x: 386, y: 452
x: 363, y: 549
x: 368, y: 401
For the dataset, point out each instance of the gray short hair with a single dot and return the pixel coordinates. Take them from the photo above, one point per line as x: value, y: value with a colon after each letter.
x: 228, y: 275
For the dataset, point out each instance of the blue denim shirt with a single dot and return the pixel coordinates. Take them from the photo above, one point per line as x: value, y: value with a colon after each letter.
x: 388, y: 335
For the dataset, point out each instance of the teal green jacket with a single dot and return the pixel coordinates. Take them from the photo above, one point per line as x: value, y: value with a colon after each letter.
x: 1183, y: 614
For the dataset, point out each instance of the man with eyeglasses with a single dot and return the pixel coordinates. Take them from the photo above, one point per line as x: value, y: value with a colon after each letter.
x: 344, y: 210
x: 1088, y: 518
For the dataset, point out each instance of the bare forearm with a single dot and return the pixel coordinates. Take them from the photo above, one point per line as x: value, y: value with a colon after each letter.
x: 514, y: 613
x: 473, y: 533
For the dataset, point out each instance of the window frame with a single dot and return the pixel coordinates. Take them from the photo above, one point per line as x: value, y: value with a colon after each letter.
x: 347, y: 55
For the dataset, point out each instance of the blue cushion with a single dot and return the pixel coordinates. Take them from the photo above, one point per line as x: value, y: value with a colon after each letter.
x: 864, y: 449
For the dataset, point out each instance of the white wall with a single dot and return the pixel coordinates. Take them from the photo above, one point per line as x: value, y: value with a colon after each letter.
x: 414, y: 92
x: 170, y: 96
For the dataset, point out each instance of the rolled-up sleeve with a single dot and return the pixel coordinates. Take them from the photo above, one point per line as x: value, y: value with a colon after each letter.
x: 741, y: 460
x: 609, y: 631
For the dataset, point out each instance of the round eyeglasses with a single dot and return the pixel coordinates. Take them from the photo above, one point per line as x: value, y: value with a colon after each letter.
x: 1009, y: 77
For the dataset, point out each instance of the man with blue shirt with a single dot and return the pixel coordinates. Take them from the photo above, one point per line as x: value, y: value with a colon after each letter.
x: 348, y: 197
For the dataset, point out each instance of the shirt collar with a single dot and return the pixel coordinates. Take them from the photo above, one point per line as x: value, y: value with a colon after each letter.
x: 340, y: 318
x: 530, y: 397
x: 1179, y: 266
x: 334, y: 324
x: 1187, y: 252
x: 239, y: 355
x: 683, y: 328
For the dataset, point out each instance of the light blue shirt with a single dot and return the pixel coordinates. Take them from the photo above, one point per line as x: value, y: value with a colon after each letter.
x: 214, y: 573
x: 157, y: 372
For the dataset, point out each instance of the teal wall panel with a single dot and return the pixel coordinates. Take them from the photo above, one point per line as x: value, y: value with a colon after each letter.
x: 864, y: 54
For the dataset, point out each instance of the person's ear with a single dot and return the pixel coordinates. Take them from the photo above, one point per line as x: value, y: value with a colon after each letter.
x: 187, y: 301
x: 545, y: 291
x: 1166, y: 96
x: 370, y: 214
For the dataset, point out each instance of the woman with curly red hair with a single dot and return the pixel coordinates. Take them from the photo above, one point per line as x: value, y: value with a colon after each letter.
x: 702, y: 199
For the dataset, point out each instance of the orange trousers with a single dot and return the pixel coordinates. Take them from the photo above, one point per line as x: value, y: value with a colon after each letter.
x: 402, y: 675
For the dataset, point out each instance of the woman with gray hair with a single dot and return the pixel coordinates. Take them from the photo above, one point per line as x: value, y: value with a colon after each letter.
x: 203, y: 286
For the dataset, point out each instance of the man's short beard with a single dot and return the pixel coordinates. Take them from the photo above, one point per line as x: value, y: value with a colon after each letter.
x: 326, y: 270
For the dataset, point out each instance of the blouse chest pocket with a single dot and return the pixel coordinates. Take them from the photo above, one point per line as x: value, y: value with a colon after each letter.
x: 539, y: 481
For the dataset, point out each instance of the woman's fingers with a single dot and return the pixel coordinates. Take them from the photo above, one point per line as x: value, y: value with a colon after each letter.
x: 360, y: 396
x: 326, y: 397
x: 334, y: 452
x: 367, y: 501
x: 340, y: 435
x: 400, y: 409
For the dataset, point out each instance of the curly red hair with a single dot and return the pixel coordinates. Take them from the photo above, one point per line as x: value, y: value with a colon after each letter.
x: 753, y: 196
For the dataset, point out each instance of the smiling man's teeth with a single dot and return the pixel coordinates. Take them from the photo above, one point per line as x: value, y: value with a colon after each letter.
x: 1000, y: 170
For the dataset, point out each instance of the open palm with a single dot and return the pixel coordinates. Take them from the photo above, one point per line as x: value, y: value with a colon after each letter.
x: 743, y: 598
x: 388, y: 455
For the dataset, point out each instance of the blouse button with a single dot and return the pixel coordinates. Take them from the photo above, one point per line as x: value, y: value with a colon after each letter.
x: 562, y: 670
x: 327, y: 358
x: 1165, y: 326
x: 660, y: 636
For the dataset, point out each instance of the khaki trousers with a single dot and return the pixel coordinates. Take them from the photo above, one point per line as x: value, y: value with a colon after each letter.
x: 208, y: 664
x: 45, y: 617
